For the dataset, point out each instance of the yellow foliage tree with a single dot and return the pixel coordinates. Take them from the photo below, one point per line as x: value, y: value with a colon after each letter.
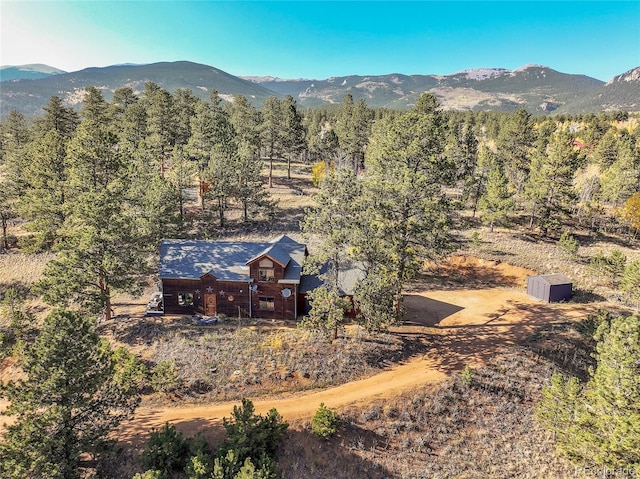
x: 630, y: 213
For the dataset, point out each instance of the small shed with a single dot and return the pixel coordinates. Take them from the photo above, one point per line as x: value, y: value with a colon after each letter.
x: 550, y: 287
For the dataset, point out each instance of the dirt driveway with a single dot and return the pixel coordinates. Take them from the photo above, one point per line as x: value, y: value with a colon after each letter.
x: 461, y: 326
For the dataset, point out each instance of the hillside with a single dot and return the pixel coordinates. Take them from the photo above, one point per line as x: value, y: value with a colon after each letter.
x: 29, y: 96
x: 27, y: 72
x: 536, y: 88
x: 622, y: 92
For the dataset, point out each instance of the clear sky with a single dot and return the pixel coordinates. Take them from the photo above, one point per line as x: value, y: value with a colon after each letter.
x: 313, y: 39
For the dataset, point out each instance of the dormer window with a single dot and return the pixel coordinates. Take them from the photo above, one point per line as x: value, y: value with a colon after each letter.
x: 265, y: 271
x: 265, y: 274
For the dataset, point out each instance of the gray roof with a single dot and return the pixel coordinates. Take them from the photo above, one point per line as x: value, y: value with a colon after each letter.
x: 348, y: 276
x: 555, y: 279
x: 227, y: 261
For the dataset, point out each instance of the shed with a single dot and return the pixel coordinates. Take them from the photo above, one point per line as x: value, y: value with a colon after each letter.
x: 550, y: 287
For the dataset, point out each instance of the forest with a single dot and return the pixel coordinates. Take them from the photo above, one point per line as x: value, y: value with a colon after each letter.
x: 98, y: 189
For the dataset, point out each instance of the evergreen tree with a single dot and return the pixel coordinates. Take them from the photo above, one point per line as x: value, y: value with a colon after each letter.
x: 404, y: 190
x: 599, y: 426
x: 550, y: 186
x: 100, y: 248
x: 293, y: 131
x: 58, y: 117
x: 515, y: 144
x: 247, y: 183
x: 46, y: 191
x: 245, y: 120
x: 181, y: 175
x: 497, y: 203
x: 271, y: 132
x: 66, y: 406
x: 353, y: 128
x: 161, y: 124
x: 630, y: 282
x: 8, y: 210
x: 184, y: 105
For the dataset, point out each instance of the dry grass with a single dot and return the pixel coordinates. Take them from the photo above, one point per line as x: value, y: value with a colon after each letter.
x: 523, y: 248
x: 20, y: 270
x: 486, y: 429
x: 226, y: 362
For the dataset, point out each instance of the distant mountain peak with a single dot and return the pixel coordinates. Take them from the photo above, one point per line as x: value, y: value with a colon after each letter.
x: 482, y: 73
x: 27, y: 72
x: 34, y: 67
x: 271, y: 79
x: 528, y: 66
x: 632, y: 75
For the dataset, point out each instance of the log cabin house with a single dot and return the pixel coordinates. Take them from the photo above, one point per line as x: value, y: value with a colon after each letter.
x: 248, y: 279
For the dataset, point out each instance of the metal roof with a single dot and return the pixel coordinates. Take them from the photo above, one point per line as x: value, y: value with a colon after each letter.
x: 348, y: 276
x: 555, y: 279
x: 227, y: 261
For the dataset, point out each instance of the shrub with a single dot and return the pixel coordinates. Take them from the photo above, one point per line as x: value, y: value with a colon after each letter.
x: 325, y: 422
x: 167, y: 451
x: 466, y: 376
x: 568, y: 245
x: 250, y: 436
x: 199, y: 466
x: 130, y: 372
x: 150, y: 474
x: 165, y: 377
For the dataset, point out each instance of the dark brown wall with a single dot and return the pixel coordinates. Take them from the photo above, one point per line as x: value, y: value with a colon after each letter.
x: 278, y: 271
x: 283, y: 308
x: 228, y: 307
x: 170, y: 290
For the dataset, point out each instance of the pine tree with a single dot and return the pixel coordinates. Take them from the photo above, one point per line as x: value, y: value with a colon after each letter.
x: 100, y: 248
x: 271, y: 132
x: 293, y: 131
x: 599, y: 425
x: 611, y: 424
x: 67, y: 404
x: 404, y: 190
x: 630, y: 283
x: 515, y: 143
x: 497, y: 203
x: 46, y: 190
x: 550, y: 185
x: 245, y: 120
x: 248, y: 183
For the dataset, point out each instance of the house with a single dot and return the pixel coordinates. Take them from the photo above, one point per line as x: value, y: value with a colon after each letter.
x: 250, y: 279
x: 550, y: 287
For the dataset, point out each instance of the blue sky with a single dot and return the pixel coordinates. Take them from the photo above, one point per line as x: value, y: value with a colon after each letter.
x: 311, y: 39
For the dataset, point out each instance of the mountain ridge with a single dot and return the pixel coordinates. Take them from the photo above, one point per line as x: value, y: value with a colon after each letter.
x: 537, y: 88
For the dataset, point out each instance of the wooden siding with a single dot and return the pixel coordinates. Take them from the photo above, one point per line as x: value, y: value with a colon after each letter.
x: 230, y: 296
x: 171, y: 288
x: 284, y: 308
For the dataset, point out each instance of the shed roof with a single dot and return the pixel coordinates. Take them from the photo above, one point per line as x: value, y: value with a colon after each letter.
x: 348, y: 275
x: 227, y: 261
x: 554, y: 279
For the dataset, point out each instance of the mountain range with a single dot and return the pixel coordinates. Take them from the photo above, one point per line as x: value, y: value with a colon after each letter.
x: 538, y: 89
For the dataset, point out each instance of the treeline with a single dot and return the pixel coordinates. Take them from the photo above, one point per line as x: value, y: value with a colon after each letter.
x: 102, y: 185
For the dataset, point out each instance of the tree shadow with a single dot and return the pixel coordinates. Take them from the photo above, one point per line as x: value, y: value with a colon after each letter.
x: 343, y: 456
x: 450, y: 347
x: 461, y: 274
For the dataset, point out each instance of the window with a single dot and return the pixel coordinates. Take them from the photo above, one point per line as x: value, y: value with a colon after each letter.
x: 265, y: 303
x: 185, y: 299
x: 265, y: 275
